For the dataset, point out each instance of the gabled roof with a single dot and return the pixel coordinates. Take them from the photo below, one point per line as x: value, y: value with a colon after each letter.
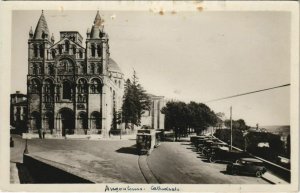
x: 68, y: 40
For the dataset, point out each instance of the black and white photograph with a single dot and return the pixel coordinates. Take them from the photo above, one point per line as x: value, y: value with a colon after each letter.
x: 165, y: 96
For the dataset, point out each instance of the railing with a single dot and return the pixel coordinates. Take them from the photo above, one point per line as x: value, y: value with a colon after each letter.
x: 278, y: 170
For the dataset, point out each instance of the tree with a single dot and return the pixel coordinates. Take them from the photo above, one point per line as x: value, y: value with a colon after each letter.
x: 180, y: 116
x: 239, y: 124
x: 176, y: 117
x: 201, y: 116
x: 135, y: 102
x: 116, y: 120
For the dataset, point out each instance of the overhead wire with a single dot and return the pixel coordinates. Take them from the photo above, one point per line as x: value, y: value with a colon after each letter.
x: 247, y: 93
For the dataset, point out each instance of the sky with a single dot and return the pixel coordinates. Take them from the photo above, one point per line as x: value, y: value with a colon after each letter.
x: 187, y: 56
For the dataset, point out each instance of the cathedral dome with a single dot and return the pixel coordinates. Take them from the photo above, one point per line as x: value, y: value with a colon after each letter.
x: 113, y: 66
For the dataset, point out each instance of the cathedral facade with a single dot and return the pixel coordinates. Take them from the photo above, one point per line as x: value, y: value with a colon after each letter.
x: 73, y: 87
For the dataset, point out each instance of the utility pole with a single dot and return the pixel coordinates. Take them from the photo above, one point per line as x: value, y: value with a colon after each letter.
x: 230, y: 127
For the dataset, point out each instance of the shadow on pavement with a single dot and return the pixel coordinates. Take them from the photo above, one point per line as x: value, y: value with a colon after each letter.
x: 186, y: 144
x: 225, y: 172
x: 24, y: 176
x: 128, y: 150
x: 239, y: 174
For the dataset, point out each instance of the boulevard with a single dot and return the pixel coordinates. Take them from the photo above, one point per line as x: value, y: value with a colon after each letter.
x: 118, y: 162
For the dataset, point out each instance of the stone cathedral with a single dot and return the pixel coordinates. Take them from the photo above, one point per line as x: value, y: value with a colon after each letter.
x: 73, y: 87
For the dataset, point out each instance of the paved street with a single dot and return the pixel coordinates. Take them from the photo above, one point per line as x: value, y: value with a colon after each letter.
x: 117, y: 161
x: 118, y: 156
x: 178, y: 163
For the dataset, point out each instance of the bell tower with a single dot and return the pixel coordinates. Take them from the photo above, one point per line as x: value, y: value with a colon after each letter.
x: 38, y: 43
x: 97, y: 48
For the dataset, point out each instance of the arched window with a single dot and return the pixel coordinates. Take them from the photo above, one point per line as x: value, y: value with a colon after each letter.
x: 41, y: 51
x: 34, y: 86
x: 53, y: 52
x: 92, y: 71
x: 67, y: 44
x: 51, y: 69
x: 82, y: 86
x: 83, y: 120
x: 35, y: 50
x: 60, y: 48
x: 95, y: 86
x: 99, y: 69
x: 81, y: 68
x: 96, y: 120
x: 34, y: 69
x: 93, y: 49
x: 67, y: 90
x: 35, y: 120
x: 99, y: 51
x: 74, y: 49
x: 48, y: 90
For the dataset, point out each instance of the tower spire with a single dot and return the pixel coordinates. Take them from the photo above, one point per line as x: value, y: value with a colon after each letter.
x: 96, y: 28
x: 97, y: 21
x: 41, y: 30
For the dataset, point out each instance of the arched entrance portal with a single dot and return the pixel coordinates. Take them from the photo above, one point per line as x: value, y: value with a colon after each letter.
x: 67, y: 121
x: 96, y: 121
x: 35, y: 120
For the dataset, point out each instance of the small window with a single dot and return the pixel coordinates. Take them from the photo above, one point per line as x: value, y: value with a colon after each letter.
x: 53, y: 53
x: 41, y: 51
x: 67, y: 44
x: 93, y: 50
x: 74, y: 50
x: 80, y: 54
x: 60, y: 49
x: 35, y: 50
x: 92, y: 68
x: 67, y: 90
x: 99, y: 50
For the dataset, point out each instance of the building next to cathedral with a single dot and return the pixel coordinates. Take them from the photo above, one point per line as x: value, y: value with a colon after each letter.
x: 73, y: 86
x: 18, y: 112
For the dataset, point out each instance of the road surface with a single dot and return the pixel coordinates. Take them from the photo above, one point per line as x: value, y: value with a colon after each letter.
x: 177, y: 162
x: 171, y: 162
x: 119, y: 156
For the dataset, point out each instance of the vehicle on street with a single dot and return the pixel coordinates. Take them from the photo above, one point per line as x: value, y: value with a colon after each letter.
x: 143, y: 143
x: 193, y: 139
x: 207, y: 144
x: 200, y: 142
x: 207, y: 151
x: 224, y: 155
x: 250, y: 166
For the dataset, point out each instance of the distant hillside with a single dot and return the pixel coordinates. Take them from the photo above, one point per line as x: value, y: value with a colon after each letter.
x: 278, y: 129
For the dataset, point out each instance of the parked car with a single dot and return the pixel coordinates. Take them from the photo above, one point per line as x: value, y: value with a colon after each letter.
x: 250, y: 166
x: 206, y: 144
x: 225, y: 155
x: 195, y: 138
x: 207, y: 151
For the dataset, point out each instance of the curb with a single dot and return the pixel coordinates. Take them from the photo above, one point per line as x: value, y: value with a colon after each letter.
x: 147, y: 173
x: 266, y: 179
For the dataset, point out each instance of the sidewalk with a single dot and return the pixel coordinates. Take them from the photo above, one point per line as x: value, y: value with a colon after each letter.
x: 273, y: 179
x: 14, y: 176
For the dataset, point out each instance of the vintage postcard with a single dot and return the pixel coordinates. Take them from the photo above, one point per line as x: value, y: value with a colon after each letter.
x: 149, y: 96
